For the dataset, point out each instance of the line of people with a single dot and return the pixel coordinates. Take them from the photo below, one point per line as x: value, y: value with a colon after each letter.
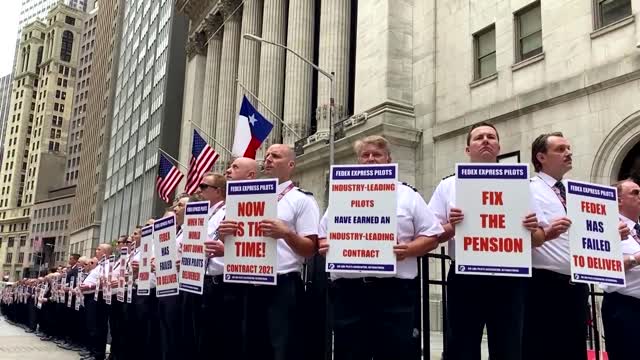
x: 373, y: 316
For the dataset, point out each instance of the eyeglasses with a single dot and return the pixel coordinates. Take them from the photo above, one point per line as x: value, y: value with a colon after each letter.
x: 204, y: 186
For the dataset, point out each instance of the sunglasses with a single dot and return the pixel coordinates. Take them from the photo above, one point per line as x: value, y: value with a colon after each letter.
x: 204, y: 186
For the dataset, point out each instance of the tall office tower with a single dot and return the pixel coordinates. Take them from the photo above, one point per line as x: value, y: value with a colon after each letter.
x: 5, y: 100
x: 147, y: 108
x: 86, y: 211
x: 36, y: 135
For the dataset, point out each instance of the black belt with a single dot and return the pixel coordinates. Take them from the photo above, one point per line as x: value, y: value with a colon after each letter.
x: 216, y: 279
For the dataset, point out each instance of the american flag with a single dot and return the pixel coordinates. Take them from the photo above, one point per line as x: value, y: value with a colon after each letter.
x: 168, y: 178
x: 202, y: 159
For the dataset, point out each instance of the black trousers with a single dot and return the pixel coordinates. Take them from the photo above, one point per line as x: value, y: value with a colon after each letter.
x: 222, y: 320
x: 97, y: 317
x: 142, y: 327
x: 274, y: 319
x: 169, y: 313
x: 621, y: 316
x: 476, y: 301
x: 191, y: 323
x: 116, y: 315
x: 555, y: 318
x: 374, y: 318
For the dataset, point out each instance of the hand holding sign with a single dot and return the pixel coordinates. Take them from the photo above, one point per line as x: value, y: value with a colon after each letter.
x: 624, y: 230
x: 214, y: 248
x: 227, y: 228
x: 455, y: 216
x: 276, y: 229
x: 323, y: 247
x: 530, y: 222
x: 558, y: 226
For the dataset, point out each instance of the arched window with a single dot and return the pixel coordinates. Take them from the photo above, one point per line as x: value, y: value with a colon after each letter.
x: 26, y: 65
x: 67, y: 46
x: 39, y: 59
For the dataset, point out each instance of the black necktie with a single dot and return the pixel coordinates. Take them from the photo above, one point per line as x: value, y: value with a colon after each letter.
x: 636, y: 227
x: 563, y: 192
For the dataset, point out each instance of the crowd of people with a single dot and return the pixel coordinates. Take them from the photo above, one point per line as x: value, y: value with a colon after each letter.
x: 373, y: 316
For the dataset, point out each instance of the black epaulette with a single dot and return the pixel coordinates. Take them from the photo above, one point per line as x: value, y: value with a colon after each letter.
x: 305, y: 192
x: 409, y: 186
x: 448, y: 176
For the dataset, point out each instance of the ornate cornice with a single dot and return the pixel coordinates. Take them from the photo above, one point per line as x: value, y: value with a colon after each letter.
x: 196, y: 45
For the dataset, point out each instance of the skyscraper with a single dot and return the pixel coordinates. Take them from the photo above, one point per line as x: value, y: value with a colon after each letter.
x: 36, y: 135
x: 86, y: 212
x: 147, y: 106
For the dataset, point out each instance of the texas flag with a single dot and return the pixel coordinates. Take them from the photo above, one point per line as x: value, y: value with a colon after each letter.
x: 251, y: 130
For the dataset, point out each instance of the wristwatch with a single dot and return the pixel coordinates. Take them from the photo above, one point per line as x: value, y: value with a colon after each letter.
x: 633, y: 262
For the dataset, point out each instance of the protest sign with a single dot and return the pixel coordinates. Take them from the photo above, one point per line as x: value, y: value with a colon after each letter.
x: 192, y: 264
x: 594, y: 241
x: 491, y: 239
x: 362, y: 219
x: 250, y: 257
x: 124, y: 255
x: 144, y: 269
x: 164, y: 235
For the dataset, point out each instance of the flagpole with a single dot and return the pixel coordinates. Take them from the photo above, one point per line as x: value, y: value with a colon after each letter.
x: 211, y: 137
x: 174, y: 159
x: 269, y: 110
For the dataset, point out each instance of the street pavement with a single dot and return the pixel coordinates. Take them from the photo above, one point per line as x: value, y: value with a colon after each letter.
x: 15, y: 344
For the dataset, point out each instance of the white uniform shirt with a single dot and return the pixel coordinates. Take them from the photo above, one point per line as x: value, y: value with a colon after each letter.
x: 630, y: 246
x: 414, y: 219
x: 92, y: 279
x: 553, y: 254
x: 300, y: 212
x: 444, y: 198
x: 215, y: 265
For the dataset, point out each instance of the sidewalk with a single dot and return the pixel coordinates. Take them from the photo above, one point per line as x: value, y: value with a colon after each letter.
x: 15, y: 344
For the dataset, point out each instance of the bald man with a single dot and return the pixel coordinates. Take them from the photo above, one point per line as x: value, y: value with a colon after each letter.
x: 273, y: 327
x: 96, y: 312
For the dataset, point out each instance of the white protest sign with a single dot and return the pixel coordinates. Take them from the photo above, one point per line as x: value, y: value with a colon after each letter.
x: 164, y: 236
x: 70, y: 291
x: 108, y: 292
x: 144, y: 270
x: 594, y: 241
x: 124, y: 255
x: 192, y: 264
x: 491, y: 239
x: 250, y: 257
x: 362, y: 219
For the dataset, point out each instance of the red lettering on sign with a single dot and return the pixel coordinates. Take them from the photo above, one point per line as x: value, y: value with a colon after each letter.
x: 493, y: 244
x: 492, y: 221
x: 251, y: 208
x: 492, y: 198
x: 593, y: 208
x: 250, y: 249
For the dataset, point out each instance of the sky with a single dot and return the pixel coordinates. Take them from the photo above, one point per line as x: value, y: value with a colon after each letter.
x: 9, y: 14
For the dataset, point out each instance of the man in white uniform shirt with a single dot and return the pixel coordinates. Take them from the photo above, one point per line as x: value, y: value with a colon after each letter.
x: 376, y: 306
x: 562, y: 324
x: 274, y: 312
x: 208, y: 309
x: 476, y: 301
x: 96, y: 311
x: 621, y: 305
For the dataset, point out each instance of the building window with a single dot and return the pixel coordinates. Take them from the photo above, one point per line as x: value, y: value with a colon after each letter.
x: 10, y: 242
x: 528, y: 30
x: 23, y: 241
x: 484, y: 43
x: 609, y: 11
x: 9, y: 258
x: 20, y: 258
x: 67, y: 46
x: 69, y: 20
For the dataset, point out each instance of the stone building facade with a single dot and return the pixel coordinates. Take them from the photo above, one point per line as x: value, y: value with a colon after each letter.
x: 420, y: 73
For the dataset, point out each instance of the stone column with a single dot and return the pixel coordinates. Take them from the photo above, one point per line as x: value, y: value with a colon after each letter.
x: 299, y: 75
x: 193, y: 90
x: 635, y: 9
x: 212, y: 76
x: 249, y: 67
x: 335, y: 23
x: 226, y: 113
x: 272, y: 58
